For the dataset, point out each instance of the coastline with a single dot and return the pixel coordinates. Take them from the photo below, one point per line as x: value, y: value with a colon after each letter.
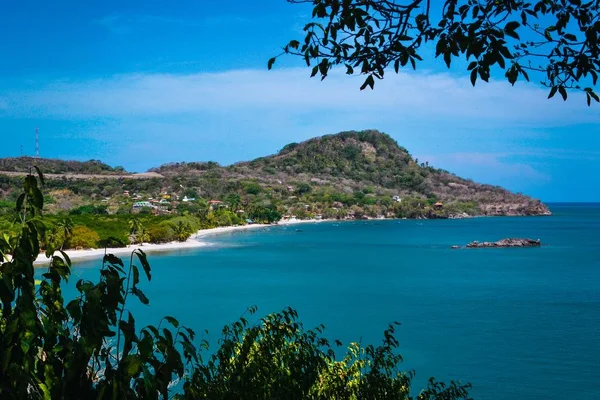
x: 195, y: 241
x: 192, y: 243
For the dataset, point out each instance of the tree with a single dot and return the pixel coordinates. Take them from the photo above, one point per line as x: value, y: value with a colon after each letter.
x: 557, y: 40
x: 135, y: 228
x: 181, y: 230
x: 65, y: 228
x: 234, y: 201
x: 83, y: 237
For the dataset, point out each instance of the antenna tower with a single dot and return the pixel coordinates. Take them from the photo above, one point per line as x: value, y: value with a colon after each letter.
x: 37, y: 143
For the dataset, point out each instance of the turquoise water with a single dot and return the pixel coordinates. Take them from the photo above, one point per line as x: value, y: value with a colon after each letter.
x: 516, y: 323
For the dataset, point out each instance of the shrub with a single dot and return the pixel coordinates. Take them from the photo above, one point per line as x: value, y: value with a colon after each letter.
x: 83, y: 237
x: 160, y: 234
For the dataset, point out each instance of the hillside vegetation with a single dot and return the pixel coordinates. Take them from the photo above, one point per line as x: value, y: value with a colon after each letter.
x: 350, y: 175
x: 367, y: 161
x: 56, y: 166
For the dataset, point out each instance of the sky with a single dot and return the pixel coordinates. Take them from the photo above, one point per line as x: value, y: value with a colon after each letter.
x: 142, y: 83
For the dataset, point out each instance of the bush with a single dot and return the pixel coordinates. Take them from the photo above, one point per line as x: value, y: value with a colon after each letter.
x: 83, y: 237
x: 90, y: 209
x: 161, y: 234
x: 253, y: 188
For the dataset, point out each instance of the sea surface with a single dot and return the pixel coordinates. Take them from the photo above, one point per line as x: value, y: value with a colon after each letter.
x: 516, y: 323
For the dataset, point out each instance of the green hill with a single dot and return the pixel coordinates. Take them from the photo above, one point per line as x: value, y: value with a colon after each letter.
x: 351, y: 162
x: 346, y: 175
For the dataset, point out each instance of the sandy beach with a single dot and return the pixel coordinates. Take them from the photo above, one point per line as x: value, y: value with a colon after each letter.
x: 193, y: 242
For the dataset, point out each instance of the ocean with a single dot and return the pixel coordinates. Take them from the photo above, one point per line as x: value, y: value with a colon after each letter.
x: 516, y: 323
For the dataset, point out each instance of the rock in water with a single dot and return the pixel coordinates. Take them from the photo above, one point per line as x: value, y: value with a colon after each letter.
x: 509, y: 242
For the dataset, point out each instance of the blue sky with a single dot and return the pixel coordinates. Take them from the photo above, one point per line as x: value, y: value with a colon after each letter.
x: 139, y: 84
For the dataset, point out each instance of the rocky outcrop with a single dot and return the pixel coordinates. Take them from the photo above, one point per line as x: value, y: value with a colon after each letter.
x: 509, y: 242
x: 533, y: 207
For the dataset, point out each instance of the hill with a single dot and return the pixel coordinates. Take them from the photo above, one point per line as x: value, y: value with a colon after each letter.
x: 346, y: 175
x: 56, y: 166
x: 351, y: 162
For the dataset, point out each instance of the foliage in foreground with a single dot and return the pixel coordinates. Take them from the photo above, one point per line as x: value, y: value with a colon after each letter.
x: 90, y: 347
x: 557, y: 40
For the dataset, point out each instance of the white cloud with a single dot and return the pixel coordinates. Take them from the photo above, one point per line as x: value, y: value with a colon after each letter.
x: 404, y: 97
x: 120, y: 24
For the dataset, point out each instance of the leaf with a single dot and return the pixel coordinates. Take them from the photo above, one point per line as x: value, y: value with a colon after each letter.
x: 112, y: 259
x: 314, y: 70
x: 511, y: 26
x: 552, y: 92
x: 370, y: 81
x: 448, y: 58
x: 144, y: 260
x: 563, y: 92
x: 172, y: 321
x: 293, y: 44
x: 66, y: 257
x: 136, y: 275
x: 131, y: 365
x: 74, y: 310
x: 20, y: 201
x: 500, y: 61
x: 513, y: 34
x: 271, y: 62
x: 473, y: 76
x: 40, y: 175
x: 37, y: 197
x: 140, y: 295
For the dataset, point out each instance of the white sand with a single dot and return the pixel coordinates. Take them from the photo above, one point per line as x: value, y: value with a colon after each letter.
x: 192, y: 242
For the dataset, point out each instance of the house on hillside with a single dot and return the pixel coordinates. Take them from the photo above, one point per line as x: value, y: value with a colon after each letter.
x: 397, y: 199
x: 438, y: 205
x: 138, y: 206
x: 215, y: 203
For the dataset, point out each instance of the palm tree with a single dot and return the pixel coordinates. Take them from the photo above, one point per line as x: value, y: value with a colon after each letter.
x: 234, y: 201
x: 135, y: 226
x: 65, y: 227
x: 182, y: 231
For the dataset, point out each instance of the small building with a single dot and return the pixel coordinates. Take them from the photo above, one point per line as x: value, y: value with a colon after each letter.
x: 186, y: 199
x: 397, y: 199
x: 142, y: 204
x: 138, y: 206
x: 438, y: 205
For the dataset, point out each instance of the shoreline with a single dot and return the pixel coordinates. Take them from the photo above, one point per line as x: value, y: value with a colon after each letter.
x: 193, y: 242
